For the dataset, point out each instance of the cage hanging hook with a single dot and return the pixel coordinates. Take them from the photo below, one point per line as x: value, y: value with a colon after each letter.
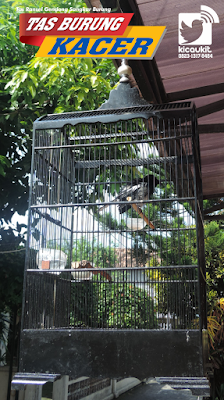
x: 124, y: 71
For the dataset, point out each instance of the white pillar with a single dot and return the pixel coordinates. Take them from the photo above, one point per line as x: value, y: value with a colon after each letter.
x: 33, y: 392
x: 60, y: 388
x: 114, y: 388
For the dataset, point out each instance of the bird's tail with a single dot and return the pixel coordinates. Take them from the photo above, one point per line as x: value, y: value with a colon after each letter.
x: 104, y: 274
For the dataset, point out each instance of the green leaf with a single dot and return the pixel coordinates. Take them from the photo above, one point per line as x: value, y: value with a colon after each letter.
x: 59, y: 109
x: 42, y: 98
x: 62, y: 71
x: 32, y: 90
x: 24, y: 76
x: 34, y: 79
x: 89, y: 63
x: 75, y: 88
x: 94, y: 81
x: 9, y: 84
x: 81, y: 96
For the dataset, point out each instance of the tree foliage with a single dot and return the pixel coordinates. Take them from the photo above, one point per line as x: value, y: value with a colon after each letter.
x: 29, y: 88
x: 95, y: 252
x: 12, y: 260
x: 214, y: 254
x: 11, y: 273
x: 112, y: 305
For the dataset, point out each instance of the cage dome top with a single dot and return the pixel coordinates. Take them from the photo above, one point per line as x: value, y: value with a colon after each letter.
x: 124, y: 103
x: 105, y: 114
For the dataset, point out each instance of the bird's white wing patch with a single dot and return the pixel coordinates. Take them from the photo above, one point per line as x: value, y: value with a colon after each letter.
x: 130, y: 190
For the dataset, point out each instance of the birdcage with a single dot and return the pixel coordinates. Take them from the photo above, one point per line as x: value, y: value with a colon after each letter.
x: 115, y: 273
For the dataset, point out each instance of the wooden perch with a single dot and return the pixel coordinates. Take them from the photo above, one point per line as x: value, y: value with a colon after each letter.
x: 140, y: 213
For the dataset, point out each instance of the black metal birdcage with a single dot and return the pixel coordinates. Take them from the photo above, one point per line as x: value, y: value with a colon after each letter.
x: 115, y: 273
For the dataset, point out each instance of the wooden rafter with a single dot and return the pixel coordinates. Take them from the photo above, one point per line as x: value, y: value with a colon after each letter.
x: 210, y: 108
x: 214, y: 208
x: 218, y: 217
x: 196, y: 92
x: 211, y: 128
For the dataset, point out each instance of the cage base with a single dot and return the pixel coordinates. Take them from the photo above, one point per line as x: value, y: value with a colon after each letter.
x: 112, y: 353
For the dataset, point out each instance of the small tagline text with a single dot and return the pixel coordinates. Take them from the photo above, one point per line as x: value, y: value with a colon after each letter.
x: 194, y: 52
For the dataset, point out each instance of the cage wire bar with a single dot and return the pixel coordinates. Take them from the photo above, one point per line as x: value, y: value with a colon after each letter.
x: 115, y: 233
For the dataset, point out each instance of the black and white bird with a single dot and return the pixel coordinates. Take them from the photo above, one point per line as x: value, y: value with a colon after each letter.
x: 140, y: 189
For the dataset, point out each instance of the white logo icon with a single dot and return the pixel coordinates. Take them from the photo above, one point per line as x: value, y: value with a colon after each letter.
x: 196, y: 28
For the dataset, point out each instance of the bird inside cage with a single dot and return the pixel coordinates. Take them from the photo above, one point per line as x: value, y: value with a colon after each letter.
x: 139, y: 190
